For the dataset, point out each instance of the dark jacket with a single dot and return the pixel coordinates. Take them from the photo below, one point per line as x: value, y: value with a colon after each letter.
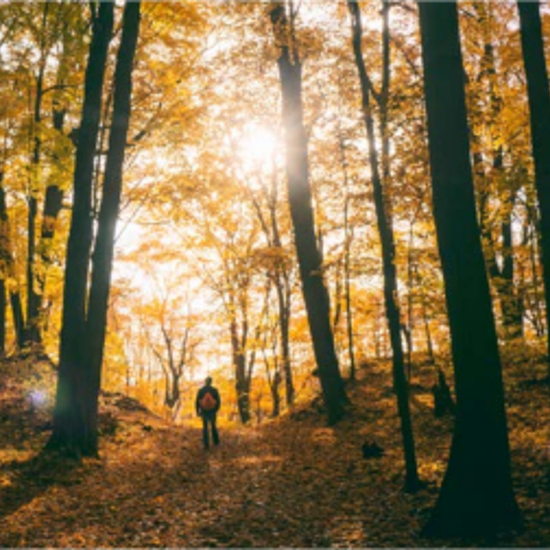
x: 200, y: 395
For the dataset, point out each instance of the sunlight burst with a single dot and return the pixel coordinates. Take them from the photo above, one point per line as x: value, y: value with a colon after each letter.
x: 258, y: 145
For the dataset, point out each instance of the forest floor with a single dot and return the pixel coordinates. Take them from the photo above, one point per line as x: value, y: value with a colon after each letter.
x: 291, y: 482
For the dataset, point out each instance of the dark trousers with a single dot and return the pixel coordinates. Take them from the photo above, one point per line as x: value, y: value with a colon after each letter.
x: 209, y: 419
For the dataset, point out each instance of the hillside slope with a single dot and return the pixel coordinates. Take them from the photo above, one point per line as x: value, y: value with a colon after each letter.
x: 290, y: 482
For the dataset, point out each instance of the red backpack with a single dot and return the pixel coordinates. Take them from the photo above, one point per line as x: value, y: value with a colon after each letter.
x: 208, y: 402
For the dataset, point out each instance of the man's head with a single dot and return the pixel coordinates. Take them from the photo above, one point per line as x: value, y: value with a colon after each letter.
x: 208, y: 381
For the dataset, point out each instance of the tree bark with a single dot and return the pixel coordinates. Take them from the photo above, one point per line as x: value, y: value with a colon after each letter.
x: 348, y: 238
x: 284, y: 295
x: 299, y: 191
x: 385, y: 230
x: 8, y: 269
x: 502, y: 278
x: 242, y: 386
x: 3, y: 308
x: 32, y: 330
x: 98, y: 303
x: 532, y: 43
x: 476, y: 496
x: 70, y: 430
x: 53, y: 200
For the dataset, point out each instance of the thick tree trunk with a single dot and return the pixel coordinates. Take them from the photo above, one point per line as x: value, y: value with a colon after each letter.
x: 98, y: 303
x: 388, y: 260
x: 70, y: 429
x: 313, y: 287
x: 477, y: 495
x: 532, y: 43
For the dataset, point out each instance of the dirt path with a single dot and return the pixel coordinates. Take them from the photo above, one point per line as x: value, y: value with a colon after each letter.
x: 160, y: 488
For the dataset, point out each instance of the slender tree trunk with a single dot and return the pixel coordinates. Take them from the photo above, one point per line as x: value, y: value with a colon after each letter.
x: 273, y: 377
x: 429, y: 343
x: 283, y: 290
x: 337, y: 302
x: 532, y: 43
x: 6, y: 257
x: 284, y: 296
x: 348, y: 237
x: 510, y: 300
x: 410, y: 284
x: 349, y: 316
x: 238, y: 349
x: 502, y: 278
x: 274, y: 384
x: 314, y: 290
x: 3, y: 308
x: 98, y: 303
x: 537, y: 300
x: 276, y: 398
x: 32, y: 330
x: 239, y: 363
x: 476, y: 496
x: 3, y: 271
x: 388, y: 260
x: 5, y: 264
x: 53, y: 201
x: 70, y: 429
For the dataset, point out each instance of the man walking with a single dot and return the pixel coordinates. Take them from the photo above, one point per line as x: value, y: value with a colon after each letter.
x: 207, y: 405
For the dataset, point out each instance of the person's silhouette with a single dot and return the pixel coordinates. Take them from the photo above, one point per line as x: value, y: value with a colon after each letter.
x: 207, y: 405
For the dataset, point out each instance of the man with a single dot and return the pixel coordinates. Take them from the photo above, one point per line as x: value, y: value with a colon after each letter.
x: 207, y: 405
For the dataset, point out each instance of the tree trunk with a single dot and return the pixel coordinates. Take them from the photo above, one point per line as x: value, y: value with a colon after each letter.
x: 532, y: 43
x: 98, y: 303
x: 284, y: 296
x: 510, y: 301
x: 313, y: 287
x: 388, y: 260
x: 3, y: 309
x: 70, y: 430
x: 349, y: 315
x: 502, y: 278
x: 8, y: 268
x: 53, y: 201
x: 32, y: 330
x: 348, y: 238
x: 536, y: 300
x: 476, y: 496
x: 239, y: 363
x: 274, y: 383
x: 283, y: 290
x: 429, y: 343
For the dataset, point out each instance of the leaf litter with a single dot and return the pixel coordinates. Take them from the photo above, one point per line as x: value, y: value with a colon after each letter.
x: 290, y: 482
